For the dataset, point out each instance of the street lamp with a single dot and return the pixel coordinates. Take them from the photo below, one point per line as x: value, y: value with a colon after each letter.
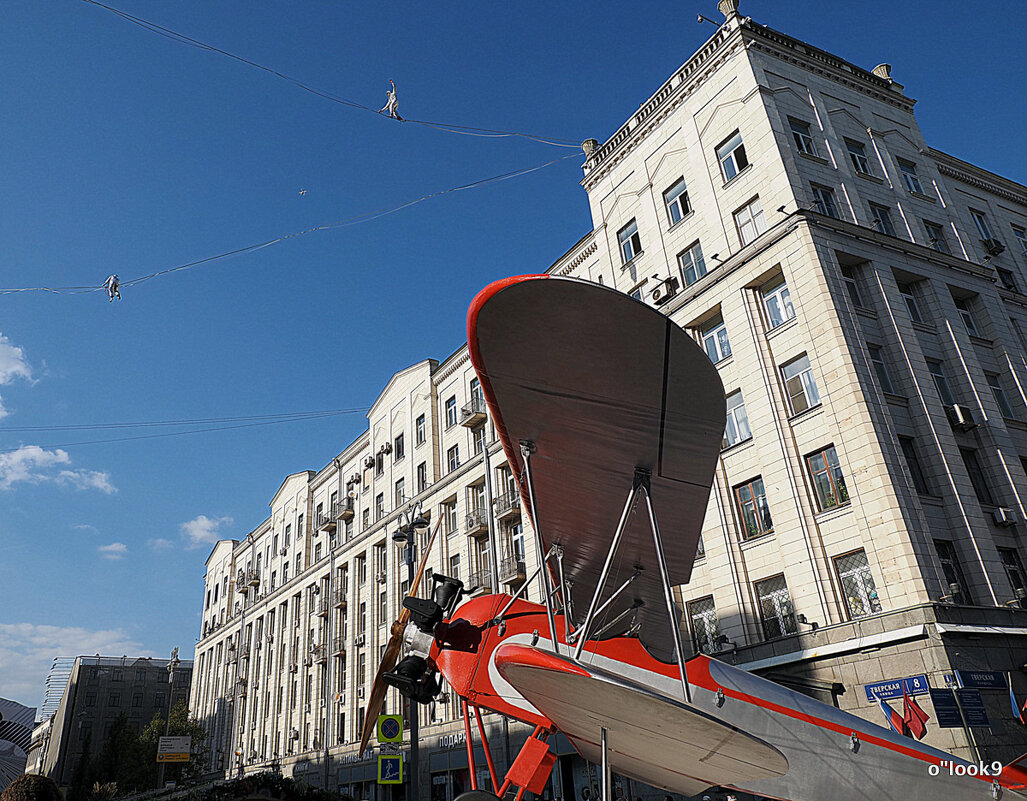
x: 172, y: 665
x: 414, y: 524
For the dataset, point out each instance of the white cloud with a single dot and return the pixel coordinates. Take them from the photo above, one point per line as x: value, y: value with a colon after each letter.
x: 116, y: 550
x: 12, y: 365
x: 31, y: 464
x: 203, y: 530
x: 86, y: 527
x: 160, y: 544
x: 27, y: 650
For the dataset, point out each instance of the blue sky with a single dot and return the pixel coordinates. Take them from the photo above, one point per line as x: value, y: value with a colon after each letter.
x: 126, y: 152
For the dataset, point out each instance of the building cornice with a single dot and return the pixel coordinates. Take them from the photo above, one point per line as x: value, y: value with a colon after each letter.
x: 450, y: 366
x: 968, y: 174
x: 582, y: 249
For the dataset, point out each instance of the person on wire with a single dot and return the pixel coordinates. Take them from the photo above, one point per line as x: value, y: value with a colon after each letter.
x: 391, y: 103
x: 112, y: 286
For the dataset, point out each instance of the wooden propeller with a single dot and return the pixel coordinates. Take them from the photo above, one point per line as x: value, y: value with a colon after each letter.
x: 379, y: 688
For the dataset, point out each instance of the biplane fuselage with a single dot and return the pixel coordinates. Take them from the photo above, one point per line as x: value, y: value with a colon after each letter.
x: 809, y: 749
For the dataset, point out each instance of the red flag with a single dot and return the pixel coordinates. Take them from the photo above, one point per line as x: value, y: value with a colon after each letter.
x: 914, y: 718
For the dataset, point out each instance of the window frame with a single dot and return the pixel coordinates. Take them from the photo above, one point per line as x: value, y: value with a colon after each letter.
x: 941, y: 382
x: 995, y: 383
x: 981, y: 222
x: 883, y: 216
x: 936, y: 239
x: 858, y: 157
x: 852, y: 286
x: 966, y: 313
x: 714, y: 338
x: 728, y: 154
x: 450, y: 407
x: 420, y: 430
x: 751, y: 214
x: 978, y: 478
x: 803, y: 137
x: 704, y: 642
x: 877, y: 360
x: 802, y: 379
x: 869, y: 594
x: 736, y: 421
x: 676, y: 200
x: 762, y: 528
x: 916, y: 472
x: 787, y: 623
x: 777, y: 289
x: 910, y: 301
x: 453, y: 458
x: 823, y: 197
x: 629, y: 242
x: 829, y: 468
x: 691, y: 258
x: 909, y: 174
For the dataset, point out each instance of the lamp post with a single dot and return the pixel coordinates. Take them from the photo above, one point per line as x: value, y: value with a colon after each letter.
x: 414, y: 524
x: 174, y: 663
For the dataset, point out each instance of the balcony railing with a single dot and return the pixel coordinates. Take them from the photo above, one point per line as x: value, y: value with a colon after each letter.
x: 476, y: 522
x: 240, y: 582
x: 323, y: 607
x: 511, y: 570
x: 326, y: 521
x: 245, y: 651
x: 253, y: 578
x: 339, y: 597
x: 339, y: 645
x: 474, y: 413
x: 345, y: 512
x: 480, y: 580
x: 508, y: 505
x: 319, y: 652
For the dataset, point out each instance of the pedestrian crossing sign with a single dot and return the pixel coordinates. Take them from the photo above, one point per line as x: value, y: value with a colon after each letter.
x: 390, y: 728
x: 390, y: 769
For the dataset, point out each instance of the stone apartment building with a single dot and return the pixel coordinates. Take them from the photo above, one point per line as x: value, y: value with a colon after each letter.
x: 862, y: 296
x: 99, y: 690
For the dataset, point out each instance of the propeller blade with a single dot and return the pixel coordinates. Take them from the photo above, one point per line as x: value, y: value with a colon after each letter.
x: 378, y: 687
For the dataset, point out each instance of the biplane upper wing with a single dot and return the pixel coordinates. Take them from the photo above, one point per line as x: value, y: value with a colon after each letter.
x: 602, y: 384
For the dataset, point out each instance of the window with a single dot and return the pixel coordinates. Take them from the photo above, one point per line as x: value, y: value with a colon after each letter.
x: 936, y: 237
x: 90, y: 699
x: 288, y: 533
x: 398, y: 448
x: 449, y: 515
x: 880, y: 368
x: 750, y: 221
x: 776, y: 613
x: 881, y: 219
x: 753, y: 509
x: 982, y: 224
x: 365, y: 519
x: 857, y: 583
x: 1007, y: 279
x: 1000, y: 395
x: 676, y: 201
x: 908, y: 169
x: 1021, y: 238
x: 977, y: 479
x: 451, y: 412
x: 420, y: 430
x: 737, y: 428
x: 849, y: 276
x: 114, y: 699
x: 379, y: 506
x: 137, y: 699
x: 401, y: 492
x: 906, y: 290
x: 692, y: 263
x: 362, y: 625
x: 454, y: 566
x: 705, y: 628
x: 828, y: 481
x: 800, y: 384
x: 778, y: 302
x: 803, y: 140
x: 379, y: 463
x: 957, y: 588
x: 714, y: 339
x: 731, y: 156
x: 453, y: 458
x: 285, y: 573
x: 858, y: 157
x: 360, y: 568
x: 913, y: 464
x: 968, y: 319
x: 823, y: 199
x: 422, y: 477
x: 478, y: 439
x: 1014, y: 570
x: 477, y: 398
x: 630, y: 241
x: 940, y: 382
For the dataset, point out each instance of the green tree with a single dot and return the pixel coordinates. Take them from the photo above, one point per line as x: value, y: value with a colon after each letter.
x: 181, y: 725
x: 120, y: 760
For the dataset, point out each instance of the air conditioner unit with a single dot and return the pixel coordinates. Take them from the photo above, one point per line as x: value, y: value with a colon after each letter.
x: 283, y: 550
x: 307, y: 662
x: 381, y: 576
x: 386, y: 448
x: 294, y: 734
x: 360, y: 692
x: 1003, y: 516
x: 993, y: 246
x: 664, y: 291
x: 359, y: 640
x: 960, y: 417
x: 368, y: 462
x: 293, y: 667
x: 270, y: 637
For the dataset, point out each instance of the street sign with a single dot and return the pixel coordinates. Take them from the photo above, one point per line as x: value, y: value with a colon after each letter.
x: 174, y: 749
x: 390, y: 769
x: 973, y: 708
x: 946, y: 713
x: 915, y: 685
x: 981, y: 679
x: 390, y: 728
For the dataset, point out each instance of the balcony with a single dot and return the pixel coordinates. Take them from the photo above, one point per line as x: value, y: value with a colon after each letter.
x: 326, y: 521
x: 508, y: 505
x: 346, y: 510
x: 253, y: 578
x: 511, y: 570
x: 339, y: 598
x: 473, y: 414
x: 245, y: 652
x: 476, y: 522
x: 480, y: 580
x: 323, y: 607
x: 240, y: 582
x: 339, y: 645
x: 319, y: 653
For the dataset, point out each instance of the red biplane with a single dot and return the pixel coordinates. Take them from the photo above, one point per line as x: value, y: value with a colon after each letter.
x: 611, y: 418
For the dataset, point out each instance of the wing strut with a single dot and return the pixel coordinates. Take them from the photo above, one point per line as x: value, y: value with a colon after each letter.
x: 527, y: 449
x: 639, y: 484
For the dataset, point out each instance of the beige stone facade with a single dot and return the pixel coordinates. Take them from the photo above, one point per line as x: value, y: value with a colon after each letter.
x: 863, y: 298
